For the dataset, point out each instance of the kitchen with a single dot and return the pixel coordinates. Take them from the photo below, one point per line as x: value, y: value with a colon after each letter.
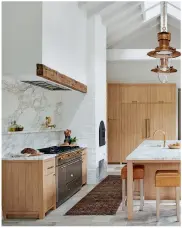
x: 63, y: 55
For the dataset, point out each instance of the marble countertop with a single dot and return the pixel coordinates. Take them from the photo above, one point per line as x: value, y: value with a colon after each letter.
x: 22, y: 157
x: 154, y: 150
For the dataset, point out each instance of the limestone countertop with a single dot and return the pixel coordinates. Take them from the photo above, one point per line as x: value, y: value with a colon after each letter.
x: 22, y: 157
x: 153, y: 150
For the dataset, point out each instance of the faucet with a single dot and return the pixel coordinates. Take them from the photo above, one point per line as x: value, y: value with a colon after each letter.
x: 164, y: 133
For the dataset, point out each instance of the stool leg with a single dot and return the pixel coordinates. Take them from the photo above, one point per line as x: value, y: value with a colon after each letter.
x: 177, y: 203
x: 123, y: 193
x: 157, y: 202
x: 126, y: 194
x: 141, y: 195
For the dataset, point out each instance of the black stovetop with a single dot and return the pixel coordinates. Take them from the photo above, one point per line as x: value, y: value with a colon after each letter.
x: 58, y: 149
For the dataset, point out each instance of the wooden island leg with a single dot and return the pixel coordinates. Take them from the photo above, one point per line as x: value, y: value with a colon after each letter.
x: 130, y: 189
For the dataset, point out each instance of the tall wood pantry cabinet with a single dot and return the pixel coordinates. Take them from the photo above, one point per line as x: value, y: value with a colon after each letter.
x: 134, y: 112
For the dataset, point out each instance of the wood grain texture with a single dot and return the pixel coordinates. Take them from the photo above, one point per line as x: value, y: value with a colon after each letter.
x: 167, y: 178
x: 149, y: 181
x: 53, y: 75
x: 24, y: 189
x: 84, y: 166
x: 134, y: 112
x: 114, y: 145
x: 130, y: 189
x: 163, y: 116
x: 163, y: 93
x: 134, y: 93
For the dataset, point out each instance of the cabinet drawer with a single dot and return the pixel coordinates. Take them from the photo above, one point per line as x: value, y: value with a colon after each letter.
x: 49, y: 167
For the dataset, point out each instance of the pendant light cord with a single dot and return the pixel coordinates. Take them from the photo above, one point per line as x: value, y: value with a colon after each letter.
x: 164, y: 29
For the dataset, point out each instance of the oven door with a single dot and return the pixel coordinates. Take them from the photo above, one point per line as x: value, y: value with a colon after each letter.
x: 74, y: 170
x: 69, y: 180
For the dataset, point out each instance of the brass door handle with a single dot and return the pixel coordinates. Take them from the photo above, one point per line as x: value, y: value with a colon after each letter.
x: 111, y: 119
x: 148, y: 128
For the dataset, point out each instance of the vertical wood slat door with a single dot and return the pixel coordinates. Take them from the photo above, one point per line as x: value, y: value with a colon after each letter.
x: 114, y: 138
x: 143, y: 123
x: 113, y: 123
x: 163, y: 117
x: 128, y: 129
x: 163, y: 93
x: 134, y: 93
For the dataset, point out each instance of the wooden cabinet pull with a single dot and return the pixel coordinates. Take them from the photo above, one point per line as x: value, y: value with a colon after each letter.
x: 50, y: 167
x: 134, y: 101
x: 160, y: 102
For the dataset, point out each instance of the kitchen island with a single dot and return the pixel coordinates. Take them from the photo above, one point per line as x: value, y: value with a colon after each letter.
x: 153, y: 156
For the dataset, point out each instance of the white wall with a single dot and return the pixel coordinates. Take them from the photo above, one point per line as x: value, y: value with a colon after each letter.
x: 83, y: 112
x: 76, y: 47
x: 52, y: 33
x: 100, y: 85
x: 139, y: 72
x: 64, y: 39
x: 21, y: 37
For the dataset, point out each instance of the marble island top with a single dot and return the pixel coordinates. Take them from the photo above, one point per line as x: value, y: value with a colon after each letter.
x: 154, y: 150
x: 23, y: 157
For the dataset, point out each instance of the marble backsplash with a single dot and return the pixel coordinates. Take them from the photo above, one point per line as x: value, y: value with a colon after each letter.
x: 28, y: 106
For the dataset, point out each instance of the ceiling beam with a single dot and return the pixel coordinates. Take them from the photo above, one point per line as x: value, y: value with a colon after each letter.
x: 143, y: 11
x: 99, y: 8
x: 124, y: 12
x: 174, y: 5
x: 108, y: 13
x: 81, y: 5
x: 116, y: 39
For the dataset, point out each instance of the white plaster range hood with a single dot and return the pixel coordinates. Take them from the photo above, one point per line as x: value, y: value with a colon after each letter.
x: 31, y: 49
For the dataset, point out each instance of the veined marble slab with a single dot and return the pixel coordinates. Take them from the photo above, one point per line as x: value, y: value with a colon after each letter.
x: 40, y: 157
x: 154, y: 150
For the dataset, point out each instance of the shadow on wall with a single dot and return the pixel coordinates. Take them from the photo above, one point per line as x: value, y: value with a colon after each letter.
x: 72, y: 102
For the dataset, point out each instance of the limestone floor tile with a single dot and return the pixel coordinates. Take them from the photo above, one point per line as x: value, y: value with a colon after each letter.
x: 147, y: 217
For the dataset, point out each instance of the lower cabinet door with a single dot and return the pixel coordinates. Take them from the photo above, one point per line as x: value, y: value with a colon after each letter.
x: 49, y: 191
x: 84, y: 169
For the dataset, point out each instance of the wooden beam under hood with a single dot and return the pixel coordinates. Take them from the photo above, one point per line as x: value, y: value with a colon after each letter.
x: 54, y: 76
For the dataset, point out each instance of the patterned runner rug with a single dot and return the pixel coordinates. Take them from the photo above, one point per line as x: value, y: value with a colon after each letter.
x: 104, y: 199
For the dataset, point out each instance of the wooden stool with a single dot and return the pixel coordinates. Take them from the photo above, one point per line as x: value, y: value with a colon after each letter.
x: 138, y: 174
x: 167, y: 178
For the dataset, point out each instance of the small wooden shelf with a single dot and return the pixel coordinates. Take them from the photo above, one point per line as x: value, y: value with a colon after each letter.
x: 30, y: 132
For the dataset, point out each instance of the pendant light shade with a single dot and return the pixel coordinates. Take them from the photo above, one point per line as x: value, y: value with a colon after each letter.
x: 164, y: 50
x: 164, y: 53
x: 164, y: 69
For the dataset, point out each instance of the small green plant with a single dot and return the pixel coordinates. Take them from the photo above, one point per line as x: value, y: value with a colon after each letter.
x: 73, y: 140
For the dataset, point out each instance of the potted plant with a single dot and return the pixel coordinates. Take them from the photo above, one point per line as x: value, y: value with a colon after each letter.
x: 73, y: 141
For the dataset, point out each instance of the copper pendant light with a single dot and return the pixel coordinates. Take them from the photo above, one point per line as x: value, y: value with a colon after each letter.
x: 164, y: 67
x: 164, y: 38
x: 164, y: 53
x: 164, y: 50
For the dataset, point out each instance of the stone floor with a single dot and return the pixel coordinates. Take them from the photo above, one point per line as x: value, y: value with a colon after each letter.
x: 147, y: 217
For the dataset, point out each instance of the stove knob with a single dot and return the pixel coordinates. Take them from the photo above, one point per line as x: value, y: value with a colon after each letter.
x: 71, y: 175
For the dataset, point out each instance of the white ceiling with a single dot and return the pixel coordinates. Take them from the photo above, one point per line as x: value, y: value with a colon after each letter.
x: 128, y: 22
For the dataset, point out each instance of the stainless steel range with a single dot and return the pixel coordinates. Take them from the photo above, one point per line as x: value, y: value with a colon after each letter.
x: 68, y: 171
